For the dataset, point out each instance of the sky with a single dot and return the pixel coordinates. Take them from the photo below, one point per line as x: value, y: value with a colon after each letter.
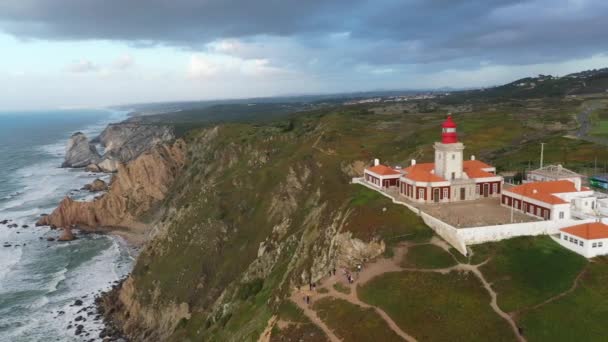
x: 94, y: 53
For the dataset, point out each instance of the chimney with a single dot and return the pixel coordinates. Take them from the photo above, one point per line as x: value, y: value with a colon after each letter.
x: 413, y: 162
x: 472, y: 157
x: 376, y: 162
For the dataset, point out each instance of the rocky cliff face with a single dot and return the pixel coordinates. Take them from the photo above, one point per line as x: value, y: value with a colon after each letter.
x: 125, y: 141
x: 134, y: 190
x: 80, y: 152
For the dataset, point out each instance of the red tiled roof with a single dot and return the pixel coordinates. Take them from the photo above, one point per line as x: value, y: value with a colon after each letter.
x: 588, y: 231
x: 473, y: 169
x: 475, y: 164
x: 383, y: 170
x: 543, y: 191
x: 422, y: 173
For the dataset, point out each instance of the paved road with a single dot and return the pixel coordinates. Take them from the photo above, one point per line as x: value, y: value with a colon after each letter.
x: 584, y: 120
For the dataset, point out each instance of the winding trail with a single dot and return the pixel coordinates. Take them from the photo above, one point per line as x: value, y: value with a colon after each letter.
x: 574, y: 286
x: 386, y: 265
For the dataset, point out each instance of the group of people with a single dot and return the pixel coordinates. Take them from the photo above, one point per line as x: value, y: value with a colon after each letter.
x: 312, y: 286
x: 349, y: 276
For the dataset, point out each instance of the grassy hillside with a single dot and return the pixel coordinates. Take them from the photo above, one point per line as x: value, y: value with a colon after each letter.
x: 259, y: 207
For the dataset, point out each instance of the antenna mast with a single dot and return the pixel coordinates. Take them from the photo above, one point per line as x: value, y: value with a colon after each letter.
x: 542, y: 151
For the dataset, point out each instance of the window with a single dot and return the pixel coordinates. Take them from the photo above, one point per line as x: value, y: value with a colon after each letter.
x: 565, y: 237
x: 561, y: 215
x: 581, y: 243
x: 572, y: 239
x: 536, y: 211
x: 477, y: 187
x: 600, y: 244
x: 494, y: 188
x: 594, y: 245
x: 453, y: 156
x: 525, y: 207
x: 446, y: 193
x: 421, y: 193
x: 453, y: 175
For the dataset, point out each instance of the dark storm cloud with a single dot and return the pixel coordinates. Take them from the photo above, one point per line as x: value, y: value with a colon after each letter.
x: 400, y: 31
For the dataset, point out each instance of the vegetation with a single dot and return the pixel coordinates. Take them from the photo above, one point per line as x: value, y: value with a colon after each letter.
x: 283, y: 185
x: 427, y: 256
x: 338, y: 286
x: 578, y: 315
x: 529, y: 270
x: 351, y: 322
x: 437, y: 307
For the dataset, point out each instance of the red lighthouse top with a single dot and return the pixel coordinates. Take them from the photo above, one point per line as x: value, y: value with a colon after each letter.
x: 448, y: 131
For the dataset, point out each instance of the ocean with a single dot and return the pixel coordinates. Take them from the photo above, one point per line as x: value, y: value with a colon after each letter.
x: 41, y: 280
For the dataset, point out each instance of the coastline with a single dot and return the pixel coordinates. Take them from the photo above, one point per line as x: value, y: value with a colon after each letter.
x: 42, y: 279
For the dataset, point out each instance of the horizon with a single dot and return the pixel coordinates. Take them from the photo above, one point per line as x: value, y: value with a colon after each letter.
x: 63, y: 54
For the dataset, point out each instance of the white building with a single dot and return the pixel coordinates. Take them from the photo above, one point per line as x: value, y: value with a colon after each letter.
x: 588, y: 240
x: 554, y: 173
x: 550, y: 200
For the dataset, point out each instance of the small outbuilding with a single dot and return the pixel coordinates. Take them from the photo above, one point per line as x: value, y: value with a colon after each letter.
x: 588, y: 240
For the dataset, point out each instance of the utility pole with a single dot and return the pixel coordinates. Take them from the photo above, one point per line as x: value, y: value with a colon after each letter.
x: 542, y: 151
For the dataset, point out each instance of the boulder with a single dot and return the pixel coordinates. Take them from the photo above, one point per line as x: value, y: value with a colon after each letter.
x: 96, y: 185
x: 67, y: 235
x: 109, y: 165
x: 80, y: 152
x: 92, y: 168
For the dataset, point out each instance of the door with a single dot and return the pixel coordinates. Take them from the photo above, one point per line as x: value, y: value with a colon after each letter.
x: 486, y: 190
x: 436, y: 195
x: 462, y: 194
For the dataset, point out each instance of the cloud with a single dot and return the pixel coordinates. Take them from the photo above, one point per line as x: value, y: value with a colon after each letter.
x: 123, y: 62
x: 82, y: 66
x: 380, y: 32
x: 206, y: 66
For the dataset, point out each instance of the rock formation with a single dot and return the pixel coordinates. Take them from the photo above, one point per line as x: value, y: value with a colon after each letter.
x: 125, y: 141
x: 135, y: 189
x: 80, y: 152
x: 67, y: 235
x: 96, y: 186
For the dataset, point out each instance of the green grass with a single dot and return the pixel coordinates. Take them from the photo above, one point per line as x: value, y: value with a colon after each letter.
x: 351, y: 322
x: 578, y: 316
x: 427, y: 256
x: 437, y: 307
x: 364, y: 196
x: 342, y: 288
x: 528, y: 270
x: 299, y: 327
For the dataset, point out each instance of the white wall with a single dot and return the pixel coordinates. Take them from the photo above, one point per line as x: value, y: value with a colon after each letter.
x: 587, y: 250
x: 477, y: 235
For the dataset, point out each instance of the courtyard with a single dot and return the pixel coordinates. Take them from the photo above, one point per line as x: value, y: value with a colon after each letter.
x: 477, y: 213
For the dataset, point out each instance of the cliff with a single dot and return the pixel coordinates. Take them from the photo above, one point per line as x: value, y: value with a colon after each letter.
x: 256, y: 211
x: 135, y: 189
x: 125, y: 141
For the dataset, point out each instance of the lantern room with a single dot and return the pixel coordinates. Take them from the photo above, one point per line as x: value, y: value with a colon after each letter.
x: 448, y: 131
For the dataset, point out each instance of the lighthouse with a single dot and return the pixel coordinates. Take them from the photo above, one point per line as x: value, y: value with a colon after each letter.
x: 449, y: 152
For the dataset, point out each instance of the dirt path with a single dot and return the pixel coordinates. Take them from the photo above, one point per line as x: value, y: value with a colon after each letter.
x: 385, y: 265
x: 493, y: 303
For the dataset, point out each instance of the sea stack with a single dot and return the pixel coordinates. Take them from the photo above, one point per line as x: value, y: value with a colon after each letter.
x: 80, y: 152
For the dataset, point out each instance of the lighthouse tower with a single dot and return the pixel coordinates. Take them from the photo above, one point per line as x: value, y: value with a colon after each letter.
x: 449, y: 152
